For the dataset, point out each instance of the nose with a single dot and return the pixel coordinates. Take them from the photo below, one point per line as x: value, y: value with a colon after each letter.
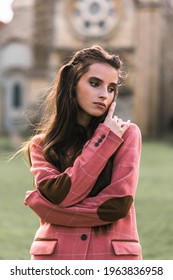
x: 103, y: 94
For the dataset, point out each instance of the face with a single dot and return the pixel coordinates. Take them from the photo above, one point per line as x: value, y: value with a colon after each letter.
x: 95, y: 91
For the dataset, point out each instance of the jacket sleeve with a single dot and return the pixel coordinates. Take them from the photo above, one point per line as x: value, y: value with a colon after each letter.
x: 111, y: 204
x: 75, y: 183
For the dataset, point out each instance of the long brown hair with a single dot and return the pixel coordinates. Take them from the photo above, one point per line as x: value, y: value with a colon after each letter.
x: 59, y: 128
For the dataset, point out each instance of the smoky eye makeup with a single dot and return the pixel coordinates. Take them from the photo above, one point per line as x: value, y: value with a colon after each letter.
x: 94, y: 81
x: 112, y: 88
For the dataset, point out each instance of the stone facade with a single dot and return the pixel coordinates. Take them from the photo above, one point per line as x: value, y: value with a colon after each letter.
x: 148, y: 66
x: 40, y: 36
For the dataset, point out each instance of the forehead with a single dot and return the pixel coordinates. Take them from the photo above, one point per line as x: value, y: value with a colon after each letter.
x: 103, y: 71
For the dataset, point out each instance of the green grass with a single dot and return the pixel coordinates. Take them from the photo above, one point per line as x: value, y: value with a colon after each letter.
x: 154, y: 200
x: 154, y: 205
x: 18, y: 223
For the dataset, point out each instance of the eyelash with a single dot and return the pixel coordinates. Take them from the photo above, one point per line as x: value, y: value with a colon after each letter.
x: 96, y: 84
x: 112, y: 90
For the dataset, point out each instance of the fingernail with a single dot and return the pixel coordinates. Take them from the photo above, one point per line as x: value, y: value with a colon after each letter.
x: 128, y: 121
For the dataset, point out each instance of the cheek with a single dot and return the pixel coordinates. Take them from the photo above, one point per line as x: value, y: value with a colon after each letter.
x: 111, y: 98
x: 82, y: 93
x: 79, y: 93
x: 81, y: 98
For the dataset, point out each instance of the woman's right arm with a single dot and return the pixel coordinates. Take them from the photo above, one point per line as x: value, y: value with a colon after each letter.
x: 75, y: 183
x: 73, y: 216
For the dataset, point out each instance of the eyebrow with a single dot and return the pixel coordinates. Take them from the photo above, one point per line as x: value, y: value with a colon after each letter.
x: 100, y: 80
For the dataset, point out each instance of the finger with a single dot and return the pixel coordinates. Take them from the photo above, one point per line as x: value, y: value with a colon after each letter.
x: 120, y: 121
x: 111, y: 109
x: 115, y: 118
x: 126, y: 125
x: 128, y: 122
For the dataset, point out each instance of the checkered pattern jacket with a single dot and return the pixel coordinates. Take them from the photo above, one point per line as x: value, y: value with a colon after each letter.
x: 67, y: 214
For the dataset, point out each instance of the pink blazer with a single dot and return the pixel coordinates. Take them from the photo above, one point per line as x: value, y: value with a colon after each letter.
x: 66, y: 224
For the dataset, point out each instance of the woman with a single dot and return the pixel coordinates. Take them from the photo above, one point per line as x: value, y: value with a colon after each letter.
x: 85, y: 162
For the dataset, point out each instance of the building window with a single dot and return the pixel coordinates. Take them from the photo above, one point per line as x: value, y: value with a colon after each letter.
x: 17, y: 96
x: 94, y: 18
x: 94, y: 8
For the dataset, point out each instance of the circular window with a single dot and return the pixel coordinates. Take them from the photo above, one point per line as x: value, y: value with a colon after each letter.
x: 94, y: 18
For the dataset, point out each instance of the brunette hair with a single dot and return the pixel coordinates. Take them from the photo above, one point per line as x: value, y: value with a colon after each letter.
x: 59, y: 129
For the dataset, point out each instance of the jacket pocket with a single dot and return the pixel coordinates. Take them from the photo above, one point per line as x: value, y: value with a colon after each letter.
x: 43, y: 247
x: 126, y: 248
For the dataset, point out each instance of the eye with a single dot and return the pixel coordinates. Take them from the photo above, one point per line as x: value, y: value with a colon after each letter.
x: 111, y: 89
x: 94, y: 83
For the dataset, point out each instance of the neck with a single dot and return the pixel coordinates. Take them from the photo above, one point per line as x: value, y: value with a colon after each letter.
x: 83, y: 119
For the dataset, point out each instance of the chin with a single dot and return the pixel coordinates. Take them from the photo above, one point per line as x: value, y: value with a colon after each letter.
x: 97, y: 115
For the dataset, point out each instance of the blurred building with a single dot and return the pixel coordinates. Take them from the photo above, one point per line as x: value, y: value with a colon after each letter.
x: 43, y: 33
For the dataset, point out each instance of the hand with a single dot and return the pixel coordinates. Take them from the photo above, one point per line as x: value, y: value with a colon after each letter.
x: 118, y: 126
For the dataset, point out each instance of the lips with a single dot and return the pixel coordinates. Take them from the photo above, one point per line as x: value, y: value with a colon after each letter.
x: 100, y: 104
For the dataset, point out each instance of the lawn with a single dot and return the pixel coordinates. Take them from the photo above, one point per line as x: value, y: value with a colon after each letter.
x: 154, y: 200
x: 18, y: 223
x: 154, y: 205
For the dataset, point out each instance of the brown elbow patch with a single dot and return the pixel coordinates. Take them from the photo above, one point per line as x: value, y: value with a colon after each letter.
x: 115, y: 208
x: 56, y: 189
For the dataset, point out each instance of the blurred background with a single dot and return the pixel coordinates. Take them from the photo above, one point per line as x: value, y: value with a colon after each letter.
x: 35, y: 38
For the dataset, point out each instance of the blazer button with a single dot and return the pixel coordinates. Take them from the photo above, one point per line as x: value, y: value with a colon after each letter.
x: 84, y: 237
x: 103, y: 136
x: 96, y: 144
